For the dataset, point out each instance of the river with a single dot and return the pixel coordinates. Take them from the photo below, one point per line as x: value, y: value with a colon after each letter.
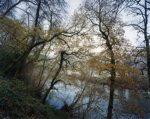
x: 93, y: 101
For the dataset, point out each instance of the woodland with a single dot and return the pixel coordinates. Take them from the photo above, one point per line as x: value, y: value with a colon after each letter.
x: 43, y: 48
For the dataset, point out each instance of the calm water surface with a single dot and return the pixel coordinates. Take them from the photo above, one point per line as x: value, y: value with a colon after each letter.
x: 93, y: 101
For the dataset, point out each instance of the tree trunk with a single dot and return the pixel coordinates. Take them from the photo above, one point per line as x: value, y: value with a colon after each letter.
x: 37, y: 14
x: 147, y: 40
x: 20, y: 71
x: 112, y: 83
x: 111, y: 95
x: 20, y: 61
x: 54, y: 81
x: 148, y: 67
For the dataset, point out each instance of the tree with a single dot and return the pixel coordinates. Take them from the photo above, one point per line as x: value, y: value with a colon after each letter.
x: 140, y: 10
x: 12, y: 31
x: 34, y: 35
x: 37, y: 38
x: 7, y: 7
x: 105, y: 23
x: 54, y: 81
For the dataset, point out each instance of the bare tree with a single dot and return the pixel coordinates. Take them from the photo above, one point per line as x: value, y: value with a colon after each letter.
x: 7, y: 7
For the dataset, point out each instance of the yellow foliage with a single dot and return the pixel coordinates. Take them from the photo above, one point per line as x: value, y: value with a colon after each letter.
x: 101, y: 63
x: 14, y: 32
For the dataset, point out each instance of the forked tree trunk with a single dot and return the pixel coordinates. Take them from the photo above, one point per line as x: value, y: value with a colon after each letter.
x: 54, y: 81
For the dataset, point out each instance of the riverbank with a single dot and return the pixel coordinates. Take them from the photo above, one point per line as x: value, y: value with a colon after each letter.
x: 16, y: 102
x: 136, y: 85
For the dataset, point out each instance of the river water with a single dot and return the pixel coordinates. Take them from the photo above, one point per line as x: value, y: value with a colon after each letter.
x: 93, y: 101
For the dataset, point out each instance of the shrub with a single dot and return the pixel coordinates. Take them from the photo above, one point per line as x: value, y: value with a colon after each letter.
x: 16, y: 102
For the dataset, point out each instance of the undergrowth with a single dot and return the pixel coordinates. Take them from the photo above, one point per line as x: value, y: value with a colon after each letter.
x: 17, y: 103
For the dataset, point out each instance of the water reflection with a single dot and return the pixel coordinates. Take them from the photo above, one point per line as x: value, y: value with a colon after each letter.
x: 93, y: 101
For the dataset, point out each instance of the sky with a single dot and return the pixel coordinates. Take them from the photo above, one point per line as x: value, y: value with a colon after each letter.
x: 73, y: 4
x: 130, y: 33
